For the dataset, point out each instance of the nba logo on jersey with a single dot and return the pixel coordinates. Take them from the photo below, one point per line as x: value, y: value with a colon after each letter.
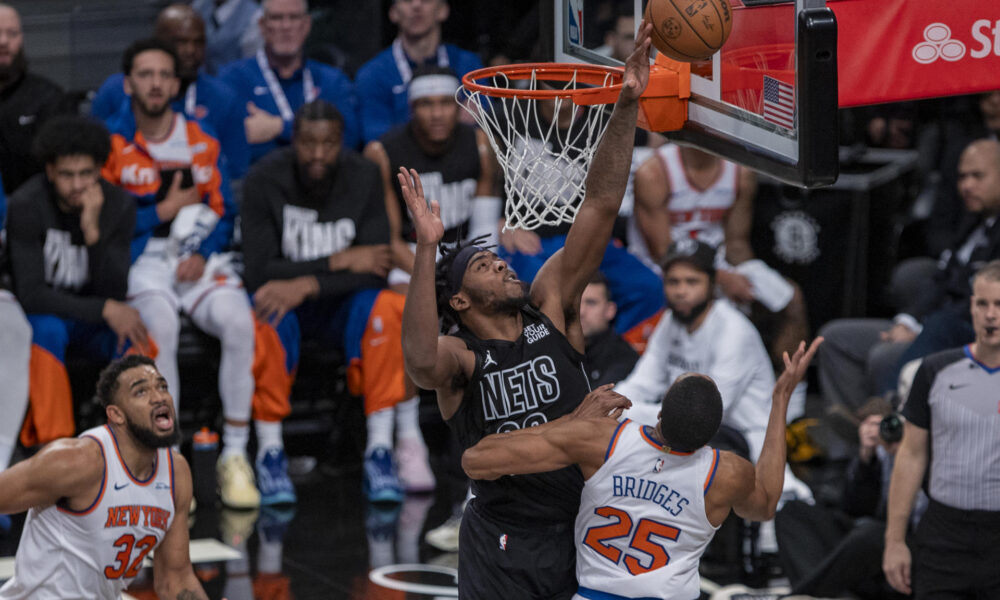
x: 658, y: 466
x: 503, y: 541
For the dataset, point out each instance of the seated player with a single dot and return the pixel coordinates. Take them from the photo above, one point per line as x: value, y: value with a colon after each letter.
x: 181, y: 262
x: 70, y: 234
x: 654, y: 496
x: 100, y: 503
x: 455, y: 163
x: 316, y: 244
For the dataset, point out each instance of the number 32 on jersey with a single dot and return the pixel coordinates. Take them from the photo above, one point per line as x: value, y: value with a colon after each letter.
x: 641, y: 539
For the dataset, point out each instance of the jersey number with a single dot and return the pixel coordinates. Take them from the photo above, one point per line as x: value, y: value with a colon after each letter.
x: 641, y: 540
x: 126, y: 567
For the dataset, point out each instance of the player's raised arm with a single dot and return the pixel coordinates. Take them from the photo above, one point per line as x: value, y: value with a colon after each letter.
x: 70, y: 469
x: 430, y: 363
x: 567, y: 273
x: 760, y: 504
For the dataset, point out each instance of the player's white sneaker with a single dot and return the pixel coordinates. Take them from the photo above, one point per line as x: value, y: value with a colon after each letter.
x: 413, y: 469
x: 237, y: 488
x: 444, y: 537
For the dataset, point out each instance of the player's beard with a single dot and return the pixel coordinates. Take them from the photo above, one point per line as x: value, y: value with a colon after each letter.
x: 147, y: 437
x: 692, y: 315
x: 12, y: 72
x: 149, y: 112
x: 317, y: 189
x: 510, y: 305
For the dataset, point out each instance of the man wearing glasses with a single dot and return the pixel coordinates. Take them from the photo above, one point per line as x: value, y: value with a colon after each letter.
x: 278, y: 80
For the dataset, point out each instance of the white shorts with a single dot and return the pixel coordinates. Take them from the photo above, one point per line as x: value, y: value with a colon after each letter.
x: 155, y: 272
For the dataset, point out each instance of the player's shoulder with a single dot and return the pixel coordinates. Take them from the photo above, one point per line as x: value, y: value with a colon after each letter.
x: 326, y: 72
x: 276, y: 165
x: 377, y: 67
x: 735, y: 477
x: 27, y: 196
x: 73, y: 458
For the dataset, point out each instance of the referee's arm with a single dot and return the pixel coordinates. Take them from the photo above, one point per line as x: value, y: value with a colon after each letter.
x: 907, y: 473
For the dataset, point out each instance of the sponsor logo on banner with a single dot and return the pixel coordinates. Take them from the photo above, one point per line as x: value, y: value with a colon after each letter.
x: 938, y: 42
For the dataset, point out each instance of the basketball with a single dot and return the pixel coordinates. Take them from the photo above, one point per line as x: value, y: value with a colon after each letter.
x: 689, y: 30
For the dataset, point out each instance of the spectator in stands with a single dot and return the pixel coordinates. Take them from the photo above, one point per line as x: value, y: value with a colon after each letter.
x: 231, y: 29
x: 184, y: 227
x: 201, y: 97
x: 455, y: 162
x: 704, y: 335
x: 835, y: 552
x: 684, y: 192
x: 279, y: 79
x: 15, y: 353
x: 26, y: 101
x: 382, y: 82
x: 608, y: 358
x: 952, y: 408
x: 316, y: 215
x: 863, y: 356
x: 70, y: 233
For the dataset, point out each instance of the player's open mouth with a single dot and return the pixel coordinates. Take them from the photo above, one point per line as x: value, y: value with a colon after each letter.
x: 163, y: 419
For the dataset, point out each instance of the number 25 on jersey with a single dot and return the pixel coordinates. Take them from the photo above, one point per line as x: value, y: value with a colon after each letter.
x: 640, y: 539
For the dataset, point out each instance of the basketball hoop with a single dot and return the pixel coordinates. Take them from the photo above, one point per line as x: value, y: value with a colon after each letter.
x: 544, y: 122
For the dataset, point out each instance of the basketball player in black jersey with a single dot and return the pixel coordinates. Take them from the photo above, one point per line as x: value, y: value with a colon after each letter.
x: 514, y: 362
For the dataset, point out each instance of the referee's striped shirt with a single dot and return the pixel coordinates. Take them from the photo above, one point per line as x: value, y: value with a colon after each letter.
x: 957, y: 398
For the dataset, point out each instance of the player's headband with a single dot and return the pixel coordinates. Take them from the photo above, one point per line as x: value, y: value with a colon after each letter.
x: 432, y: 85
x: 459, y: 265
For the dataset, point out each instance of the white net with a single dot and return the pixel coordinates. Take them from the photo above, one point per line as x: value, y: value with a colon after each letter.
x: 544, y: 147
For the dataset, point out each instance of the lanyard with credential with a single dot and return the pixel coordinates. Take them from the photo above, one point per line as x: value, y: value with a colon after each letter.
x: 403, y: 65
x: 308, y: 87
x: 190, y: 100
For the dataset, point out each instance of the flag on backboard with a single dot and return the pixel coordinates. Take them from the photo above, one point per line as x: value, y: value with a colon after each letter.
x: 779, y: 102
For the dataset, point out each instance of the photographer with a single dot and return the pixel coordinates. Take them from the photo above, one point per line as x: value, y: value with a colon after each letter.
x: 834, y: 552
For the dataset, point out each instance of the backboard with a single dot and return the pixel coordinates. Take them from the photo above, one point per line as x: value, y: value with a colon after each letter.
x: 767, y: 100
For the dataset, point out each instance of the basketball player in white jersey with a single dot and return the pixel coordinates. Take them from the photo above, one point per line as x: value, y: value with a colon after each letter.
x: 100, y: 503
x: 686, y: 193
x: 654, y: 496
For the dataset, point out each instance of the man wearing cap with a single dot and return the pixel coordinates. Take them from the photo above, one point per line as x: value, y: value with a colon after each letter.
x: 709, y: 336
x: 455, y: 163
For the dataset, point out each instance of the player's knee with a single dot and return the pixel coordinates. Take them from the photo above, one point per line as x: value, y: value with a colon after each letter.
x: 164, y: 326
x: 235, y: 327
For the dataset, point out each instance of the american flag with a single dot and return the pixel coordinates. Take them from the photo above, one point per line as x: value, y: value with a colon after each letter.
x: 779, y: 102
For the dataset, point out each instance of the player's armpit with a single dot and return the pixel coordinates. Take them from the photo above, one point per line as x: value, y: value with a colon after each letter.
x: 69, y: 468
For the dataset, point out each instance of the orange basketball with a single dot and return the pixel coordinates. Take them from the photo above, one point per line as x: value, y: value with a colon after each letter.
x: 689, y: 30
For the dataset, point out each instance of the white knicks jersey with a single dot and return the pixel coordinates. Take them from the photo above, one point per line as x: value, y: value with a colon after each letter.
x: 95, y: 553
x: 642, y: 528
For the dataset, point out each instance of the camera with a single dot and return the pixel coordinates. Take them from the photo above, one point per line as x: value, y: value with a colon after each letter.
x: 890, y: 429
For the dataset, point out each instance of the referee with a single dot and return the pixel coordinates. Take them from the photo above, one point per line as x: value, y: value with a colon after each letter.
x: 954, y: 407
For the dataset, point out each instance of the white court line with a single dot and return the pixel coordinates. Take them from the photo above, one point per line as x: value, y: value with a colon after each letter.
x: 204, y: 550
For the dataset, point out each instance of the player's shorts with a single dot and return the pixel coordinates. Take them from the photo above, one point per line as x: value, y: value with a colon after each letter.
x: 154, y: 272
x: 503, y: 562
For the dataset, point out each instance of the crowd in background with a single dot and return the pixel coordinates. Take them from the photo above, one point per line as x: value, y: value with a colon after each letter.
x: 226, y: 176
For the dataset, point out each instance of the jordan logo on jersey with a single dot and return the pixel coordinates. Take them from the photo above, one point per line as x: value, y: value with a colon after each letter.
x: 489, y: 361
x: 535, y: 332
x: 517, y: 390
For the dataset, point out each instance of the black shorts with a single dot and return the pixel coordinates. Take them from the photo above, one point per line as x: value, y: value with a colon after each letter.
x: 956, y: 554
x: 502, y: 562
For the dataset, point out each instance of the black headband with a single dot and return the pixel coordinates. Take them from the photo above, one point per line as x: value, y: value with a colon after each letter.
x: 458, y: 266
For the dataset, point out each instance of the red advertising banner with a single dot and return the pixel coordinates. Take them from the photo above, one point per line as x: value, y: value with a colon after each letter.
x: 894, y: 50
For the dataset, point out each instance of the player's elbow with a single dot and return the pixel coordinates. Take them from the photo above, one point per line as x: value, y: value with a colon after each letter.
x: 474, y: 464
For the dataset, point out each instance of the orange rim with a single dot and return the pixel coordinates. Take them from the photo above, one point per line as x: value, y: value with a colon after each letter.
x: 587, y: 74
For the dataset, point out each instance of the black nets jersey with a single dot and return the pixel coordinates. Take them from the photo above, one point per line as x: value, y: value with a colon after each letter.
x: 450, y: 178
x: 524, y: 383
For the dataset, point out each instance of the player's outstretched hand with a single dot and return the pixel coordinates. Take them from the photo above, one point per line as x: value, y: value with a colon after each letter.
x: 602, y: 402
x: 637, y: 65
x: 426, y: 217
x: 795, y: 368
